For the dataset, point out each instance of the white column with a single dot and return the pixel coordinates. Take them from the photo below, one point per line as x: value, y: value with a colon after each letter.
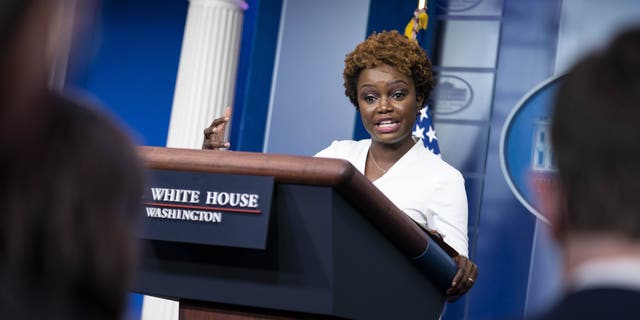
x: 154, y: 308
x: 204, y: 87
x: 207, y: 70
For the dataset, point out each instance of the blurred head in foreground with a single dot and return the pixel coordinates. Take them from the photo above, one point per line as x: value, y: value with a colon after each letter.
x: 67, y: 240
x: 596, y: 142
x: 71, y: 183
x: 593, y: 204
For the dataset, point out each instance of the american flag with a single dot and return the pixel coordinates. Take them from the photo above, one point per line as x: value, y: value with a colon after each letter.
x: 424, y: 130
x: 424, y: 121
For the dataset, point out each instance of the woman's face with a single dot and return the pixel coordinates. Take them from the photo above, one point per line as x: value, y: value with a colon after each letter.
x: 388, y: 104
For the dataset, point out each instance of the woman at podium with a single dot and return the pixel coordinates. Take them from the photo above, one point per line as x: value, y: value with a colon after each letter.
x: 388, y: 79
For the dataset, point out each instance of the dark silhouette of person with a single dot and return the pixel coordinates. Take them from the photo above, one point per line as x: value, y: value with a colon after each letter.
x: 71, y: 182
x: 593, y: 203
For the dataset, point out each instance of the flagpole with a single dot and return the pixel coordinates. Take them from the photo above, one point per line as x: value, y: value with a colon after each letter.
x: 420, y: 12
x: 424, y: 122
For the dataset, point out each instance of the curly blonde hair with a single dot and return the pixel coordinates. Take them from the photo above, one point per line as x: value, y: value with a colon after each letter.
x: 393, y: 49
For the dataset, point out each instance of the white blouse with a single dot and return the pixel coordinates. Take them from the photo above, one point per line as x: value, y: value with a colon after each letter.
x: 426, y: 188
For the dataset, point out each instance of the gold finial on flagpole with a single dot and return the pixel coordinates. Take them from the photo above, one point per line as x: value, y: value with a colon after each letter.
x: 419, y: 21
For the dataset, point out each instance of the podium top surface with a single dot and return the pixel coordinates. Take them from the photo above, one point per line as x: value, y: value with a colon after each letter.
x: 335, y: 173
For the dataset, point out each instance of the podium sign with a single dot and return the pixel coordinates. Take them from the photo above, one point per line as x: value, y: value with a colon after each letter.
x: 205, y: 208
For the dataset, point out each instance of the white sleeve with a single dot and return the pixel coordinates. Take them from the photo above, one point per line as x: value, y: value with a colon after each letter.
x: 449, y: 213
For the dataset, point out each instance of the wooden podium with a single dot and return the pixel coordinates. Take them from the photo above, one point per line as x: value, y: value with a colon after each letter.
x: 336, y: 248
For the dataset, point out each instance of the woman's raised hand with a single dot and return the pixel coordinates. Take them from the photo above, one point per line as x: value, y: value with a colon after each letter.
x: 215, y: 133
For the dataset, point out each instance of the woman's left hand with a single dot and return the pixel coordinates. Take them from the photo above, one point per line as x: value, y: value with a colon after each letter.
x: 464, y: 278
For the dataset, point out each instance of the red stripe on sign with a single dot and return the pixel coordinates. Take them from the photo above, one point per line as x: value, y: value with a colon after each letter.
x: 202, y: 208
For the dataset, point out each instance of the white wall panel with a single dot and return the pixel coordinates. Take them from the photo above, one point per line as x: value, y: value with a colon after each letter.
x: 308, y: 108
